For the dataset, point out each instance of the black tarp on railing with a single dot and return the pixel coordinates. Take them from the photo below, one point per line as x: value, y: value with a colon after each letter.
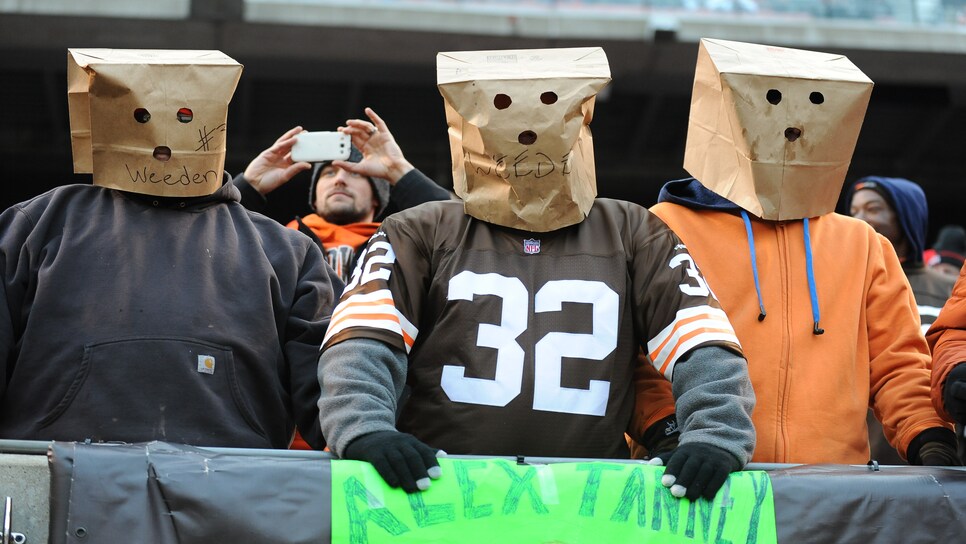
x: 159, y: 492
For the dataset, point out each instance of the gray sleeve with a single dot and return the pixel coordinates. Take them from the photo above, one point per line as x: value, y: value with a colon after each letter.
x: 714, y: 400
x: 362, y: 380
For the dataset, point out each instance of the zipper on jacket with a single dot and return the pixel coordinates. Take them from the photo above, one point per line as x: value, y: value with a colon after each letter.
x: 784, y: 260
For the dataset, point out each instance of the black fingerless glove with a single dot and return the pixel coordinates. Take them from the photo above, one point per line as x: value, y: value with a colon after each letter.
x: 400, y: 458
x: 954, y: 393
x: 701, y: 469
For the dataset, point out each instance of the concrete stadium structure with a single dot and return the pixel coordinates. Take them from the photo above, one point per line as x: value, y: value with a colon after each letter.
x: 317, y: 62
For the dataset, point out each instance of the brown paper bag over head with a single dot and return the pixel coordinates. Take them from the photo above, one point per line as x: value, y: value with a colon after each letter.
x: 773, y: 129
x: 150, y: 121
x: 519, y: 133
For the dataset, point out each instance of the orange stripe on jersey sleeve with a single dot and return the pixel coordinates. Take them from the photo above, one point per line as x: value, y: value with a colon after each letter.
x: 677, y: 326
x: 368, y: 317
x: 691, y: 328
x: 342, y: 312
x: 672, y: 356
x: 372, y: 311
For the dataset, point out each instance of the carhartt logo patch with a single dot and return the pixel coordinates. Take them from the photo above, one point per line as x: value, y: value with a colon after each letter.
x: 531, y: 246
x: 206, y: 364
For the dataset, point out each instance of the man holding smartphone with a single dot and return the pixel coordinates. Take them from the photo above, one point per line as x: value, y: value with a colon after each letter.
x: 348, y: 197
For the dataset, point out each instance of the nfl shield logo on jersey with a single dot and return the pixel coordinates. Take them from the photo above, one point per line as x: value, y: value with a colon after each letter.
x: 531, y: 246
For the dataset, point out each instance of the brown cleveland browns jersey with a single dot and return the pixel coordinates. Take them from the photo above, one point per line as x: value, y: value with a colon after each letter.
x: 525, y: 343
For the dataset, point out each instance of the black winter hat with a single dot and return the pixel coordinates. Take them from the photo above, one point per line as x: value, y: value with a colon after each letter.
x: 951, y: 238
x: 950, y: 246
x: 380, y: 187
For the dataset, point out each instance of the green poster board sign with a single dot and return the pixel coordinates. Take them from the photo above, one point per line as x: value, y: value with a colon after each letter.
x: 497, y: 500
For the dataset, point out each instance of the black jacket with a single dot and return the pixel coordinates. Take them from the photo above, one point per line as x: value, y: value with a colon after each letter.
x: 132, y: 318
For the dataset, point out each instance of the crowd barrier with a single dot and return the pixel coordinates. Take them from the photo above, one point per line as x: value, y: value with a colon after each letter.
x: 161, y: 492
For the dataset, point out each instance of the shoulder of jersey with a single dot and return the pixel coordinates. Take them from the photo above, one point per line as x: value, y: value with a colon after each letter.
x: 616, y: 204
x: 428, y: 212
x: 621, y: 209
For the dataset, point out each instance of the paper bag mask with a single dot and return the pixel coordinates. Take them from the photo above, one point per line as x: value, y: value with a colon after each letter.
x: 773, y: 129
x: 519, y: 133
x: 150, y: 121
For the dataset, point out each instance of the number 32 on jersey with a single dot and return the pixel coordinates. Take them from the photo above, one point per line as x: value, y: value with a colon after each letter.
x: 549, y: 351
x: 548, y: 394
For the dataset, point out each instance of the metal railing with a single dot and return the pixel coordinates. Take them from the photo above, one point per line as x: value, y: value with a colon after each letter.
x: 36, y: 447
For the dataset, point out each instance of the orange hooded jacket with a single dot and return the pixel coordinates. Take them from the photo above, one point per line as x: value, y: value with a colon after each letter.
x: 814, y: 390
x: 947, y: 338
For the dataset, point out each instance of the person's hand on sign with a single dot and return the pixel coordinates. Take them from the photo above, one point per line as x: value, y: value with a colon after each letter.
x: 400, y: 458
x: 696, y: 470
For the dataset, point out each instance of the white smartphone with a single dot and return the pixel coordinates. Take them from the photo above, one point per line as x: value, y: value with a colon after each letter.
x: 321, y: 146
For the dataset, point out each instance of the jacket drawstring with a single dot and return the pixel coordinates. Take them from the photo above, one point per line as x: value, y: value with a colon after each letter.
x: 754, y: 264
x: 812, y: 291
x: 809, y: 271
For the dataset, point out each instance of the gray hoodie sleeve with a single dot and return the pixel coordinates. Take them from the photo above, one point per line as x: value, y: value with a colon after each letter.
x: 362, y: 380
x: 714, y: 400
